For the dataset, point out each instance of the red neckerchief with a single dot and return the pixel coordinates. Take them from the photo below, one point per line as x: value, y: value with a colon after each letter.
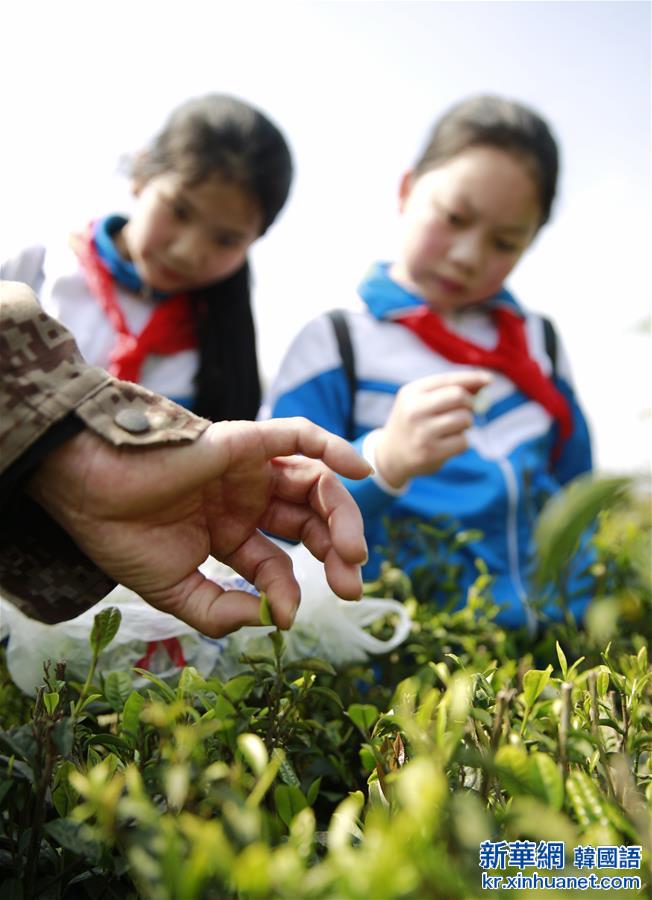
x: 510, y: 356
x: 170, y: 328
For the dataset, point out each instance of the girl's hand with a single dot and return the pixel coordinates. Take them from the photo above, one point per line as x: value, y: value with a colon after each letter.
x: 427, y: 425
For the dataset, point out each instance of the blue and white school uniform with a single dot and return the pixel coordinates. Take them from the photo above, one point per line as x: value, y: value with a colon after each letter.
x: 497, y: 486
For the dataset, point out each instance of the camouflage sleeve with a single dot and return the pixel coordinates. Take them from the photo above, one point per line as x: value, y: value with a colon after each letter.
x: 43, y: 378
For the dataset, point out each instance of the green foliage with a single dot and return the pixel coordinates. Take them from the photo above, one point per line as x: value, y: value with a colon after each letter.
x: 293, y: 780
x: 567, y: 516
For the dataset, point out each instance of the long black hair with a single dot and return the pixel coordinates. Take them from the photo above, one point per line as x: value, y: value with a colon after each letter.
x: 221, y: 135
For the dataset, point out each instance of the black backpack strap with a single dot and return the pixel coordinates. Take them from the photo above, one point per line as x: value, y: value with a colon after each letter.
x: 343, y: 338
x: 550, y: 342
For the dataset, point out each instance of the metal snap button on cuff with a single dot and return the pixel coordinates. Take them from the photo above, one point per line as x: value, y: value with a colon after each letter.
x: 132, y: 420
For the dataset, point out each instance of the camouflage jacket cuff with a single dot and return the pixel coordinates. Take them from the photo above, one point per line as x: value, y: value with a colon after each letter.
x: 43, y: 379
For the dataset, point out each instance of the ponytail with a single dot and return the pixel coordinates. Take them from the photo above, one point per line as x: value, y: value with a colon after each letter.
x: 227, y: 384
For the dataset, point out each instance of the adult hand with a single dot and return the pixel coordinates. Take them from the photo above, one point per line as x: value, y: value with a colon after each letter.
x: 427, y: 425
x: 148, y: 517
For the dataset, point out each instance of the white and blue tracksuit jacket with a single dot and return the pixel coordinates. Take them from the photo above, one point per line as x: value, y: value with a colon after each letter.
x: 497, y: 486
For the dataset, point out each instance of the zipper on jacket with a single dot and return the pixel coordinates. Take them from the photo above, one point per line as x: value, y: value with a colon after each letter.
x: 512, y: 540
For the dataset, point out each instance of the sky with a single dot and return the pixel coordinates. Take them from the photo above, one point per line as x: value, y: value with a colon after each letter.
x: 356, y: 85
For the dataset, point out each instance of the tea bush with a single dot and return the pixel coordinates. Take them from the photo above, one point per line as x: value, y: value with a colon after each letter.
x: 383, y: 781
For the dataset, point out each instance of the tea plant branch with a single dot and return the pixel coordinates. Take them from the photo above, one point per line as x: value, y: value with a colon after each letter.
x: 105, y: 627
x: 46, y: 756
x: 595, y: 729
x: 564, y: 724
x: 625, y: 711
x: 274, y: 701
x: 503, y: 698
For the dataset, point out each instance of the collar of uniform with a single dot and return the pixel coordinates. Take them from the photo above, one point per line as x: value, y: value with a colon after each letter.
x: 123, y: 271
x: 387, y: 299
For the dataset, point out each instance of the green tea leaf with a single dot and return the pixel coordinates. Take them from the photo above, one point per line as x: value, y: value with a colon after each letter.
x: 343, y: 825
x: 239, y: 687
x: 321, y: 691
x: 190, y: 681
x: 573, y: 669
x: 87, y: 701
x: 512, y: 766
x: 50, y: 702
x: 167, y: 691
x: 117, y: 688
x: 289, y: 801
x: 534, y: 682
x: 224, y: 709
x: 313, y: 791
x: 64, y: 796
x: 312, y: 664
x: 105, y: 628
x: 567, y: 515
x: 265, y: 612
x: 177, y: 784
x: 131, y: 713
x: 63, y: 736
x: 286, y: 770
x: 73, y: 836
x: 254, y: 751
x: 585, y: 799
x: 110, y: 741
x: 21, y: 742
x: 545, y: 780
x: 363, y: 715
x: 642, y: 658
x: 602, y: 681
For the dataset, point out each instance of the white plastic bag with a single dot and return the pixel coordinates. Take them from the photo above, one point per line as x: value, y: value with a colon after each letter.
x: 325, y: 626
x: 146, y: 637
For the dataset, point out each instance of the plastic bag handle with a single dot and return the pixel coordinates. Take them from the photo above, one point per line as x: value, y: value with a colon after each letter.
x: 368, y: 610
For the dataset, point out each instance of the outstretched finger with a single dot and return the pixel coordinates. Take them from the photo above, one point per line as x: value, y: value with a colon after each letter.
x: 286, y: 437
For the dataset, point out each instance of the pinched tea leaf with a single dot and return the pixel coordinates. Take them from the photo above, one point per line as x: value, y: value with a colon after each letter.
x: 265, y: 611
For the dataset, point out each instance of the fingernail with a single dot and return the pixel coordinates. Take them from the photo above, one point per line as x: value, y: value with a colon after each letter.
x: 293, y: 616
